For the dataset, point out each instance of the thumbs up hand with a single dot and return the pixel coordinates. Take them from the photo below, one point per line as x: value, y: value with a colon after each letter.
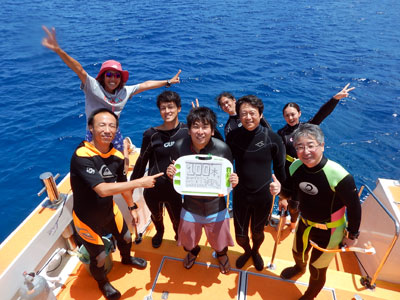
x: 275, y: 186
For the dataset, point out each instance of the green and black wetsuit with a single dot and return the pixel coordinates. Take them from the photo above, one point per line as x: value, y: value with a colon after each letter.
x: 324, y: 192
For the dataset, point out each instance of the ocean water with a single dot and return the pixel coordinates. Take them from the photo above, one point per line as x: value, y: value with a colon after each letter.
x: 281, y: 51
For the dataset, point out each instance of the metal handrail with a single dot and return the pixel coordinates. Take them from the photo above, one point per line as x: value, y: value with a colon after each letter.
x: 370, y: 282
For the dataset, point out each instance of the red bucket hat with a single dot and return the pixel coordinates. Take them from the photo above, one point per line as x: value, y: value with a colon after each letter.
x: 115, y: 66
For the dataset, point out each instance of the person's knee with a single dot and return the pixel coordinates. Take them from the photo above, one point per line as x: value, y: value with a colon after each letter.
x: 242, y: 240
x: 101, y: 259
x: 258, y: 236
x: 127, y: 237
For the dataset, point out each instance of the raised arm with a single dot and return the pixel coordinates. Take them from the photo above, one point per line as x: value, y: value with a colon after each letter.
x: 50, y: 42
x: 154, y: 84
x: 329, y: 106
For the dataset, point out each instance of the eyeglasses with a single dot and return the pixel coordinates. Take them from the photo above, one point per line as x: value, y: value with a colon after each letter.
x: 111, y: 74
x: 311, y: 147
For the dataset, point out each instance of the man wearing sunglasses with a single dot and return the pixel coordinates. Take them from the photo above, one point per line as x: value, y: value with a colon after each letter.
x: 108, y: 89
x: 325, y: 191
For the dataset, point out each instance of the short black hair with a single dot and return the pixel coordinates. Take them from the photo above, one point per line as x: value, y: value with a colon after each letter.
x: 100, y: 110
x: 203, y: 114
x: 169, y: 96
x: 252, y: 100
x: 226, y: 95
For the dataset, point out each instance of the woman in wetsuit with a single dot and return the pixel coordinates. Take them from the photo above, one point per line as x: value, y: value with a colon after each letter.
x: 291, y: 113
x: 156, y: 147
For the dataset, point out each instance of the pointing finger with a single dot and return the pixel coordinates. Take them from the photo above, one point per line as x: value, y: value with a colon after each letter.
x: 158, y: 175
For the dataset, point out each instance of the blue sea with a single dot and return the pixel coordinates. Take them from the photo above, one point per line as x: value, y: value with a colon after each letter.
x: 281, y: 51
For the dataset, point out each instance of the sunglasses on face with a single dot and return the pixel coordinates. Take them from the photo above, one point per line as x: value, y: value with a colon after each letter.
x: 111, y: 74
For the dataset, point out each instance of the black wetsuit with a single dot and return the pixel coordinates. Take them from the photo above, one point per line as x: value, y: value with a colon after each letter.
x: 93, y: 215
x: 324, y: 192
x: 254, y: 152
x: 203, y: 206
x: 286, y: 134
x: 156, y: 148
x: 234, y: 122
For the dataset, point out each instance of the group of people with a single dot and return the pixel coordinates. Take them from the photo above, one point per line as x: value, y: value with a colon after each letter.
x: 308, y: 184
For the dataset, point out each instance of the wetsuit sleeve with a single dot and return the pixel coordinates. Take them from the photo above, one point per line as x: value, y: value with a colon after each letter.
x: 278, y: 157
x: 141, y: 162
x: 265, y: 123
x: 347, y: 191
x: 86, y: 170
x: 324, y: 111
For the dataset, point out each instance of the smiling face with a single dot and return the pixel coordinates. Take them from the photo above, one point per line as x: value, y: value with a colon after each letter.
x: 103, y: 129
x: 200, y: 134
x: 249, y: 116
x: 291, y: 115
x: 309, y: 151
x: 228, y: 105
x: 112, y: 80
x: 169, y: 112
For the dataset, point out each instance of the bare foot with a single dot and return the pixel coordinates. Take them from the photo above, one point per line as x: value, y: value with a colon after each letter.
x: 224, y: 265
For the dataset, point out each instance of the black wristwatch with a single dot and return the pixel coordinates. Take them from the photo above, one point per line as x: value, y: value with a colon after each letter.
x: 133, y: 207
x: 168, y: 83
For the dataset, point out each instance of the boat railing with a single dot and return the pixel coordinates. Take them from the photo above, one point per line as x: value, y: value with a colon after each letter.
x: 368, y: 281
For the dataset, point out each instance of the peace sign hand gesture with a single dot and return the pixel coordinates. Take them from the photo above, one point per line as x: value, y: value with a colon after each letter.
x: 344, y: 92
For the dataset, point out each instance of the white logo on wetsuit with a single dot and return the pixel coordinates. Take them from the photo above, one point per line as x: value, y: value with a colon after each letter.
x: 308, y: 188
x: 169, y: 144
x: 260, y: 144
x: 90, y: 171
x: 105, y: 172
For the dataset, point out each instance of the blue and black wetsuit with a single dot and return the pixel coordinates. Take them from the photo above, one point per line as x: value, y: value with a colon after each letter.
x: 286, y: 134
x: 93, y: 215
x: 324, y: 192
x: 156, y: 148
x: 254, y: 152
